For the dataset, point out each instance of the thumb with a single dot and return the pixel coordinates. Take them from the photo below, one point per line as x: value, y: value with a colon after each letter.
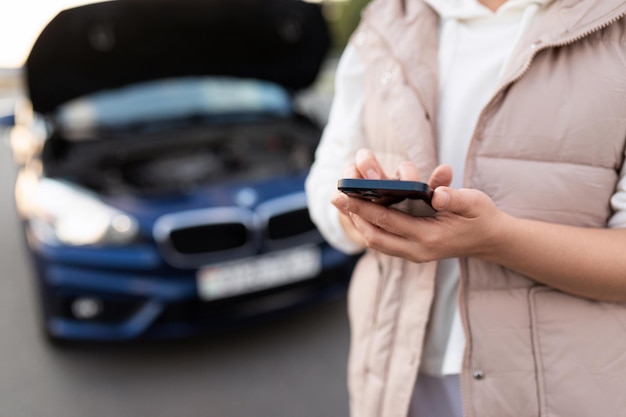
x: 367, y: 164
x: 442, y: 175
x: 463, y: 202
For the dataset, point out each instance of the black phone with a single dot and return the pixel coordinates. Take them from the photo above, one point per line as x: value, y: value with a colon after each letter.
x: 387, y: 192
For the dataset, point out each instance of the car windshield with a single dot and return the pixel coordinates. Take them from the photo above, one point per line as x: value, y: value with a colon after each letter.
x: 175, y: 99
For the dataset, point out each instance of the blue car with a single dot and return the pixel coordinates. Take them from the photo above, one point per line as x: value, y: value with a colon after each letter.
x: 162, y: 161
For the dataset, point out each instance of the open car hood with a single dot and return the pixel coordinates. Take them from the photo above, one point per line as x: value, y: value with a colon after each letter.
x: 116, y: 43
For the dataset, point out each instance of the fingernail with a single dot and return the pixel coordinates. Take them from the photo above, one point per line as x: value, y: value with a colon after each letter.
x: 341, y: 202
x: 443, y: 197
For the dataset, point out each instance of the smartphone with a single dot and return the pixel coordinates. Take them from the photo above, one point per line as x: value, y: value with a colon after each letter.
x: 387, y: 192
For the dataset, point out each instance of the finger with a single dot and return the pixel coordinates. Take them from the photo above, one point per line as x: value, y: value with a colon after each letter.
x: 341, y: 201
x: 407, y: 171
x: 382, y: 240
x: 374, y: 236
x: 464, y: 202
x: 351, y: 172
x: 389, y: 219
x: 368, y: 165
x: 441, y: 176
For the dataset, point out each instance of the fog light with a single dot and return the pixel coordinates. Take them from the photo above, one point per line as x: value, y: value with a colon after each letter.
x: 86, y: 308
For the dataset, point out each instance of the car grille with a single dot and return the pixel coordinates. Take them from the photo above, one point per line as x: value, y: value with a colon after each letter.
x: 195, y: 238
x: 290, y: 224
x: 199, y: 239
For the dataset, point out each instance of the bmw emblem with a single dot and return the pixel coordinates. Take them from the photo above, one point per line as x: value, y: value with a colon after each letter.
x: 246, y: 197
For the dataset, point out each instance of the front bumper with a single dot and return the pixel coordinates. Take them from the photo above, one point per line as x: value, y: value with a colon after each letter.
x: 142, y: 297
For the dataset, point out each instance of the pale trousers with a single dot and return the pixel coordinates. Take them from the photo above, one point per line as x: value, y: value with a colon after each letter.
x: 436, y: 396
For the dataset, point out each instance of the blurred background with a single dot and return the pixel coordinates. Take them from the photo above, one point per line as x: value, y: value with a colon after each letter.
x: 291, y: 366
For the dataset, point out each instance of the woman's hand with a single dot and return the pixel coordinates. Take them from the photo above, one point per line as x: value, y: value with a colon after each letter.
x: 367, y: 166
x: 418, y: 239
x: 465, y: 224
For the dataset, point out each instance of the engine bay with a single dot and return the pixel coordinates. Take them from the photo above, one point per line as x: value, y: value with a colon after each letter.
x: 178, y: 158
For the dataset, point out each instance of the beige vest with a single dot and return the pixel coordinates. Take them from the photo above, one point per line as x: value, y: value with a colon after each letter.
x: 548, y: 146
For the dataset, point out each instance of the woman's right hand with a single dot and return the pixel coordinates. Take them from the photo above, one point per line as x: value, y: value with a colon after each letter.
x: 366, y: 166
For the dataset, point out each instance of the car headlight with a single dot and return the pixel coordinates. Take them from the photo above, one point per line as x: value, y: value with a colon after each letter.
x: 63, y: 213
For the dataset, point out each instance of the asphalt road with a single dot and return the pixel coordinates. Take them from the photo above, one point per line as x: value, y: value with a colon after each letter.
x: 294, y: 367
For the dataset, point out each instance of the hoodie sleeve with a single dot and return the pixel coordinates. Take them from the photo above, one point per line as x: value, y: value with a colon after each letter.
x: 341, y: 138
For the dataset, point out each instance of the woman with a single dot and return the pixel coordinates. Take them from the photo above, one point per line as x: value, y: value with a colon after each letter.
x: 525, y: 102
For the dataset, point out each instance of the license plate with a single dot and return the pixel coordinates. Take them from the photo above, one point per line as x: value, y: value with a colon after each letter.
x: 258, y: 273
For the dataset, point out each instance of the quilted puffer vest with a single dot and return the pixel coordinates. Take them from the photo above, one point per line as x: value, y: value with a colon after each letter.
x: 548, y: 146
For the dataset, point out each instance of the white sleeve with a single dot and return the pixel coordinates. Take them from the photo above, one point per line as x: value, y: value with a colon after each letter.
x: 341, y: 138
x: 618, y: 203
